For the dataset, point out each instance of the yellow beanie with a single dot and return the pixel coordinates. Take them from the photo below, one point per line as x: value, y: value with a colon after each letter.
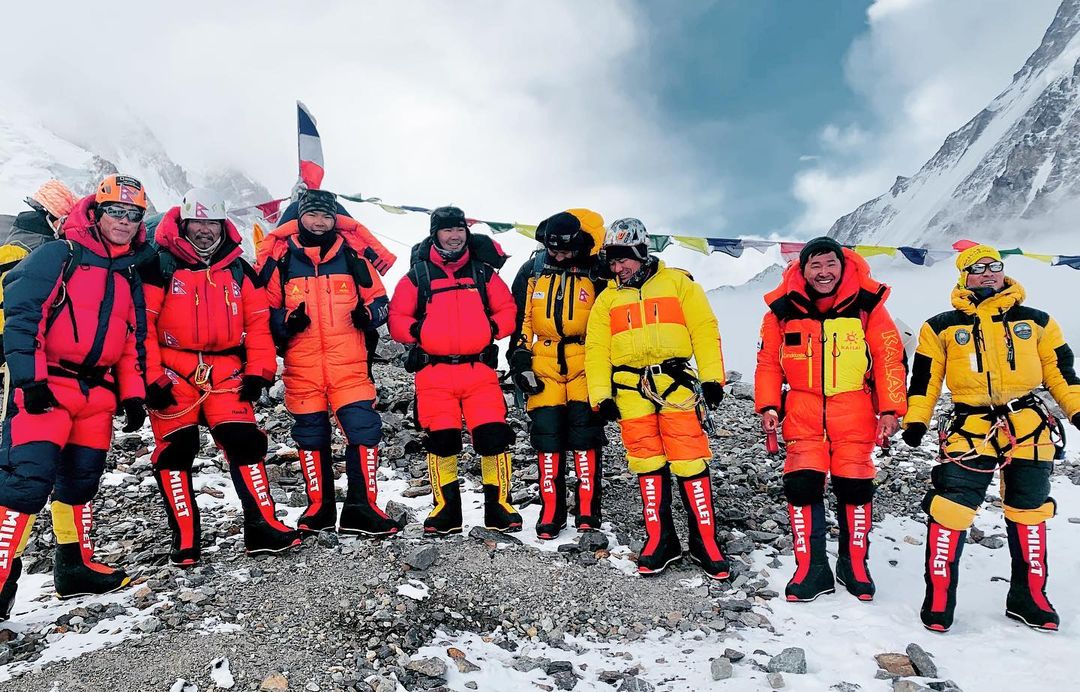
x: 970, y: 256
x: 973, y: 254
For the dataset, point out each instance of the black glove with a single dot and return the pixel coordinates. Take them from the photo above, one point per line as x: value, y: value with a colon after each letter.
x: 608, y: 410
x: 252, y: 386
x: 361, y: 318
x: 1076, y: 421
x: 38, y: 398
x: 159, y: 397
x: 913, y: 434
x: 414, y: 329
x: 297, y: 320
x: 713, y: 392
x: 520, y: 360
x: 135, y: 413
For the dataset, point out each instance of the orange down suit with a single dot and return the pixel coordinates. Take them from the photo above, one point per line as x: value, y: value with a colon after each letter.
x: 842, y: 360
x: 326, y: 364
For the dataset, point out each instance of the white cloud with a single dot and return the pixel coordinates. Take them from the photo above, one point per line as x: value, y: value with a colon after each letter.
x: 511, y: 110
x: 922, y: 69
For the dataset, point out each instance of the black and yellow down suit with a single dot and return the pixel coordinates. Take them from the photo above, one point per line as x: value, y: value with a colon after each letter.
x: 992, y: 354
x: 554, y: 301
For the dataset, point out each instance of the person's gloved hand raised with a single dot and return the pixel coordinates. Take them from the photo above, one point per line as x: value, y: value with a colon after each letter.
x: 297, y: 320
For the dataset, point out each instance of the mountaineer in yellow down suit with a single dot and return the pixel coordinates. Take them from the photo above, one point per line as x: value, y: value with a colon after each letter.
x: 554, y: 292
x: 643, y: 331
x: 993, y: 352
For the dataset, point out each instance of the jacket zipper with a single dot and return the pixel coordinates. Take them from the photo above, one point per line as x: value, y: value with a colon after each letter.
x: 835, y: 355
x: 197, y: 339
x: 824, y: 398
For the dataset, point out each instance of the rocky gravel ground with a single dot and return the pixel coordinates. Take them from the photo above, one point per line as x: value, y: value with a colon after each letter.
x: 346, y: 613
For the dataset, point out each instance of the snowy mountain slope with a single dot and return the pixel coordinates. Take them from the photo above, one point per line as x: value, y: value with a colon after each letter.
x: 1018, y: 159
x: 30, y: 154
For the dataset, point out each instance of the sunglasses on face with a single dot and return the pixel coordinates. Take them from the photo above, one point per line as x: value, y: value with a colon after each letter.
x: 118, y: 213
x: 983, y: 268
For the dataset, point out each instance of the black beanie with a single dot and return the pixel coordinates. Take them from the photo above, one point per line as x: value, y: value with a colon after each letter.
x: 563, y: 232
x: 821, y: 246
x: 447, y: 217
x: 318, y: 201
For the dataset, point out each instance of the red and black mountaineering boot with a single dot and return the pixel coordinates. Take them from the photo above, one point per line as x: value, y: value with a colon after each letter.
x: 588, y: 465
x: 360, y: 513
x: 705, y: 550
x: 661, y: 541
x: 183, y: 514
x: 14, y: 530
x: 812, y: 576
x: 317, y: 467
x: 852, y: 569
x: 263, y: 531
x: 1027, y: 600
x: 75, y: 573
x: 943, y: 549
x: 552, y: 481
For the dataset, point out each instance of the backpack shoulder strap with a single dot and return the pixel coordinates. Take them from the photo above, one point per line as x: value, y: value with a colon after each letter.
x: 480, y: 278
x: 539, y: 260
x: 421, y: 271
x: 74, y: 259
x: 358, y: 268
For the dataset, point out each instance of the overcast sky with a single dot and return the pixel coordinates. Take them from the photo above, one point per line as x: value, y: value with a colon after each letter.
x: 702, y: 118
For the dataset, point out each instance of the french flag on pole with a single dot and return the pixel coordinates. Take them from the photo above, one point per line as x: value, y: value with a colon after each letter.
x: 309, y: 147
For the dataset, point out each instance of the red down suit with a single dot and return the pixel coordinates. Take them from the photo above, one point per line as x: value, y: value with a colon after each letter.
x: 84, y: 338
x: 453, y: 326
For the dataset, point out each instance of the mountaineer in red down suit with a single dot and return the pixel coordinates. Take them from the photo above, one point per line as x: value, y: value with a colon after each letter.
x: 828, y: 337
x: 209, y: 356
x: 73, y: 333
x: 324, y: 297
x: 450, y: 309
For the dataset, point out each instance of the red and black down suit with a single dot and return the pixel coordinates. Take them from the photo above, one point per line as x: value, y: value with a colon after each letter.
x: 208, y: 356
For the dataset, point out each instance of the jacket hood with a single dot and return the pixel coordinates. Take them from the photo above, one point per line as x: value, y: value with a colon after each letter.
x: 275, y: 242
x: 168, y: 236
x: 81, y: 228
x: 963, y: 299
x: 856, y: 278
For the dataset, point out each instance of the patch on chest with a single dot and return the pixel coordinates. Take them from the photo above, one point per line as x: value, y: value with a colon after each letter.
x: 177, y: 287
x: 583, y: 296
x: 538, y: 295
x: 341, y: 288
x: 962, y: 337
x: 1022, y: 330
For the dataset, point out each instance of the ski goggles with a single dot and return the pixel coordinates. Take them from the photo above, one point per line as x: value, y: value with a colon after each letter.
x: 983, y: 267
x: 115, y: 211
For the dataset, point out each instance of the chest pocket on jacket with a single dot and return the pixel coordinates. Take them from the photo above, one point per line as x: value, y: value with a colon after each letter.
x: 845, y: 355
